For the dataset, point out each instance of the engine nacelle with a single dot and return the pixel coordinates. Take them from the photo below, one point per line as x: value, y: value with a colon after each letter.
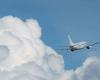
x: 88, y: 47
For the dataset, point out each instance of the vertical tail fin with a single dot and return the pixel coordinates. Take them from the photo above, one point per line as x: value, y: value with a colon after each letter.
x: 70, y: 40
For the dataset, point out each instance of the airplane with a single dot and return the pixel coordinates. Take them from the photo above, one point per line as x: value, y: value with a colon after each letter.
x: 79, y: 45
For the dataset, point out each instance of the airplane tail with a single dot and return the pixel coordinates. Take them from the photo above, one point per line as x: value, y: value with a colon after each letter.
x: 70, y: 40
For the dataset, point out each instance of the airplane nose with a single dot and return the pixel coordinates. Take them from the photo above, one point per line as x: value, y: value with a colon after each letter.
x: 4, y: 52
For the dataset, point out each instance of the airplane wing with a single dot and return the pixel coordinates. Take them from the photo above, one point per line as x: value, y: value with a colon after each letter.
x: 63, y: 49
x: 95, y: 43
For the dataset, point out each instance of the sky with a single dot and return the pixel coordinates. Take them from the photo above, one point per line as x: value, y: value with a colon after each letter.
x: 58, y: 18
x: 32, y: 31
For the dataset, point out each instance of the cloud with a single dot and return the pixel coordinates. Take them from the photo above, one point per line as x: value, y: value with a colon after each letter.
x: 24, y: 56
x: 90, y: 69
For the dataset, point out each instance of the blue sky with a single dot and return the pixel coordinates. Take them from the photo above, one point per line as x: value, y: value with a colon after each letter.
x: 79, y: 18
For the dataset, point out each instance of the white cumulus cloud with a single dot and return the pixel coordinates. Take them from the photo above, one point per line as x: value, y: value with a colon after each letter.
x: 24, y: 56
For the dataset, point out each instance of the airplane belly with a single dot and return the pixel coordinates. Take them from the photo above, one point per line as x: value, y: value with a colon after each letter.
x: 73, y: 48
x: 77, y: 47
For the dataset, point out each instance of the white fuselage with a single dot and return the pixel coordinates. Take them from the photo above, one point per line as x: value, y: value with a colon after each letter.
x: 78, y: 46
